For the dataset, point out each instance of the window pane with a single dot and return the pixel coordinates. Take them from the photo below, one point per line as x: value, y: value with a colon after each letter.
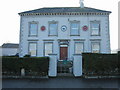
x: 53, y: 29
x: 48, y: 48
x: 95, y: 27
x: 74, y: 28
x: 78, y: 48
x: 95, y: 51
x: 33, y: 29
x: 95, y: 32
x: 74, y: 25
x: 33, y: 49
x: 95, y: 47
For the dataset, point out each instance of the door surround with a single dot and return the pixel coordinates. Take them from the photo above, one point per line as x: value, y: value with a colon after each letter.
x: 63, y: 52
x: 64, y: 44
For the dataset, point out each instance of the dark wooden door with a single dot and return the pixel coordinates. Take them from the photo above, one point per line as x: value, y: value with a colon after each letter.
x: 63, y: 53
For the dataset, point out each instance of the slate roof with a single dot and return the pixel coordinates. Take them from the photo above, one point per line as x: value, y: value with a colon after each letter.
x: 10, y: 45
x: 65, y: 10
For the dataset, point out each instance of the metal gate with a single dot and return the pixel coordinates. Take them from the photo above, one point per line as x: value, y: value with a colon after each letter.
x: 65, y: 67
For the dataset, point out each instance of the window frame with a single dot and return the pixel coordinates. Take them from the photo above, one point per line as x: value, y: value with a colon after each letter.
x: 99, y: 31
x: 75, y: 47
x: 52, y: 22
x: 98, y: 44
x: 29, y: 48
x: 44, y: 48
x: 31, y: 35
x: 78, y: 22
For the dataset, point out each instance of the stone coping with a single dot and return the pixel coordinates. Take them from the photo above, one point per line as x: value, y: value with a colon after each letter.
x: 47, y: 77
x: 24, y: 77
x: 97, y: 77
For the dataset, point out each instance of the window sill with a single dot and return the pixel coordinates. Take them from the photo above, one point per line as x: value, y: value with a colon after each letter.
x: 74, y: 35
x: 33, y: 39
x: 95, y: 35
x: 53, y: 35
x: 77, y: 54
x: 32, y: 35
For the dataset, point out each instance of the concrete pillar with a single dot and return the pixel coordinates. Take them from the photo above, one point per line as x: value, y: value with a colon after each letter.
x: 53, y: 65
x: 77, y: 65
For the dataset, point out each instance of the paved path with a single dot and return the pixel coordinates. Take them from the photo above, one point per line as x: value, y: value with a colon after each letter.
x: 60, y: 83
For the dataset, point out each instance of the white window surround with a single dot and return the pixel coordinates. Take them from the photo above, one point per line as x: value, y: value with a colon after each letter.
x: 32, y: 49
x: 33, y: 28
x: 53, y: 28
x: 74, y: 28
x: 48, y: 48
x: 95, y: 28
x: 79, y: 47
x: 95, y: 47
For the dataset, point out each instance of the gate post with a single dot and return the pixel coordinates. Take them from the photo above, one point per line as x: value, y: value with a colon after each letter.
x: 53, y: 65
x: 77, y: 65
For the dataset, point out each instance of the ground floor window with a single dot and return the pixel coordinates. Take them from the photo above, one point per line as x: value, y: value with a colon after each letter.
x: 33, y: 49
x: 48, y: 48
x: 79, y: 48
x: 95, y: 47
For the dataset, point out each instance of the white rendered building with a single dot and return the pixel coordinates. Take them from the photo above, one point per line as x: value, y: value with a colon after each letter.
x: 64, y: 31
x: 72, y: 30
x: 9, y: 49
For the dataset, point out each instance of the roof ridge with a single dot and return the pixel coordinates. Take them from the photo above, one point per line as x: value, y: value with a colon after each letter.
x: 64, y: 9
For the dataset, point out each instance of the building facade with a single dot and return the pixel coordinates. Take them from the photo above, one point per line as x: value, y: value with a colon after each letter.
x: 9, y: 49
x: 64, y: 31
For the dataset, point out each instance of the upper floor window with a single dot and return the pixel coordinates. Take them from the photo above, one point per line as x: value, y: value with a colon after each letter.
x: 74, y: 30
x: 33, y: 28
x: 48, y: 49
x: 95, y: 47
x: 79, y: 48
x: 53, y: 28
x: 33, y: 49
x: 95, y: 27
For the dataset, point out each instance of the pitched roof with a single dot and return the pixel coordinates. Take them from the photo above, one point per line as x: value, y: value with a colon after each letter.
x: 65, y: 10
x: 10, y: 45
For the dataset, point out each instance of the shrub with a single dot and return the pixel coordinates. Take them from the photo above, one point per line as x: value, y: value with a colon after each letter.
x: 13, y: 65
x: 100, y: 64
x: 27, y: 55
x: 38, y: 65
x: 118, y: 61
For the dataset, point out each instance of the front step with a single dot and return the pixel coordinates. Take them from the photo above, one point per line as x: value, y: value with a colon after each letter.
x: 64, y: 74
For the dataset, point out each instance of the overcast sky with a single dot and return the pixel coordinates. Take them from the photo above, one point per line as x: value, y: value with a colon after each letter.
x: 10, y: 20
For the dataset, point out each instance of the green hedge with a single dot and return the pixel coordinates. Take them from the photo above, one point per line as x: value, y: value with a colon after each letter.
x: 119, y: 61
x: 32, y: 65
x: 100, y: 64
x: 10, y: 65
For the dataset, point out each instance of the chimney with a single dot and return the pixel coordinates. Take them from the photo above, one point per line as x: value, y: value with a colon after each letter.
x: 81, y: 4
